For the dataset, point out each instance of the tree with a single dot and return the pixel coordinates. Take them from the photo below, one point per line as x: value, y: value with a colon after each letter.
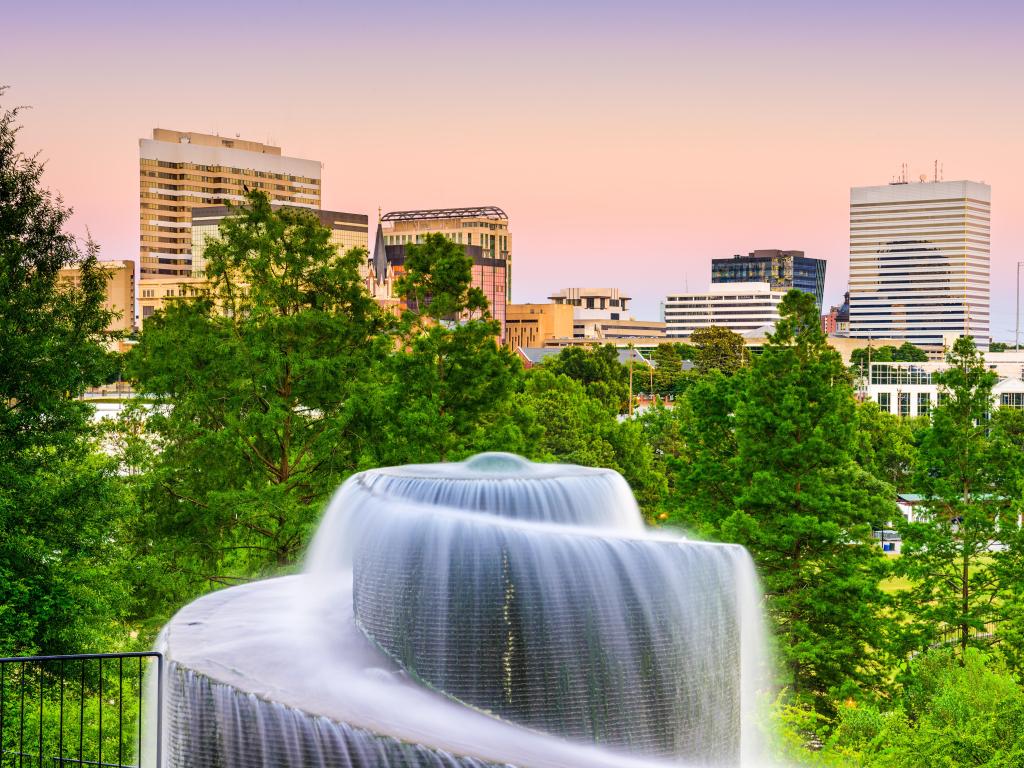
x: 805, y: 509
x: 60, y: 504
x: 436, y: 282
x: 257, y: 390
x: 947, y: 553
x: 718, y: 349
x: 598, y: 369
x: 884, y: 446
x: 445, y: 392
x: 670, y: 379
x: 706, y: 476
x: 908, y: 353
x: 577, y: 428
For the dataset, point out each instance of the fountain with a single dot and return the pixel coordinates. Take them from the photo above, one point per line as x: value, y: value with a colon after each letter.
x: 483, y: 613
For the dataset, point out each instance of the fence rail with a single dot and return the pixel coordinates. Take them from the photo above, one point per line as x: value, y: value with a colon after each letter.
x: 79, y: 710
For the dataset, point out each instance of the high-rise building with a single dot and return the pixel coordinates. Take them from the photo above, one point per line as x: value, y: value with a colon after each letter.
x: 919, y: 261
x: 740, y: 307
x: 484, y: 233
x: 181, y: 170
x: 780, y: 269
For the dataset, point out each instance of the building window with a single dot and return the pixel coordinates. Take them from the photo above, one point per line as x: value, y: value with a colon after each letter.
x: 883, y: 401
x: 924, y: 403
x: 904, y: 398
x: 1012, y: 400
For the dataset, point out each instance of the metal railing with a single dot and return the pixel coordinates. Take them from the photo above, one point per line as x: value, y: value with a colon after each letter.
x: 79, y: 710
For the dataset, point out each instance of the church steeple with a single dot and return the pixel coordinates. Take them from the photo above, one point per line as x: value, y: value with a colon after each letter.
x: 380, y: 256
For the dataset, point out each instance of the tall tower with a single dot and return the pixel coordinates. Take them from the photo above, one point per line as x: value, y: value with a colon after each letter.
x: 179, y: 171
x: 919, y: 261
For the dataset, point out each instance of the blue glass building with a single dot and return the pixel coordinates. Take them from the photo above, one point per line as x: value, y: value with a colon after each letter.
x: 780, y: 269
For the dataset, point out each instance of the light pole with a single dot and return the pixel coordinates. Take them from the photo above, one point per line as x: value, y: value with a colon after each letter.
x: 1016, y: 333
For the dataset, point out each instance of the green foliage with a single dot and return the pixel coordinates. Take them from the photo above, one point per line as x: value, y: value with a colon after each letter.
x: 718, y: 349
x: 906, y: 352
x: 954, y: 714
x: 706, y: 477
x: 256, y: 391
x: 947, y: 553
x: 455, y: 387
x: 884, y: 446
x: 577, y: 428
x: 60, y: 505
x: 599, y: 371
x: 670, y: 379
x: 805, y: 509
x: 437, y: 280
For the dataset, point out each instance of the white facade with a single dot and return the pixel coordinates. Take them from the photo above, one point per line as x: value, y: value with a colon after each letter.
x: 740, y: 307
x: 919, y: 261
x: 908, y: 389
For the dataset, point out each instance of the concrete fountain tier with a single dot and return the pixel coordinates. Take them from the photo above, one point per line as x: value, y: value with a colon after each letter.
x: 494, y: 612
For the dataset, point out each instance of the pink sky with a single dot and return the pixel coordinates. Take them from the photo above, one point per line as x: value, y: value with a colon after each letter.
x: 629, y: 147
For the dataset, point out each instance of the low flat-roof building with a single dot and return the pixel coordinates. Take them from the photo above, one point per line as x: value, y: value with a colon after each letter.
x: 740, y: 307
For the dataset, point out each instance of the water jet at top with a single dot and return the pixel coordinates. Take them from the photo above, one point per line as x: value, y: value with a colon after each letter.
x: 488, y: 612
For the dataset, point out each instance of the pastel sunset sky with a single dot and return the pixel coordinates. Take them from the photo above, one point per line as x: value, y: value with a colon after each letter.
x: 630, y: 142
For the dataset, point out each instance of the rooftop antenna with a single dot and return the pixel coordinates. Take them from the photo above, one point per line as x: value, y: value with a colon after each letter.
x: 936, y: 176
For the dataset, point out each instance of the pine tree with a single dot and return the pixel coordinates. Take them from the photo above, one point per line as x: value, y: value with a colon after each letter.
x: 952, y: 553
x: 805, y: 509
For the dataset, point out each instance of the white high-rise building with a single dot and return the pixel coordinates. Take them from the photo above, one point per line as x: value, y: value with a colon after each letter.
x: 740, y: 307
x: 919, y: 261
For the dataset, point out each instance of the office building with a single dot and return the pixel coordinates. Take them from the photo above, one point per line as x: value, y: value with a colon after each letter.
x: 909, y: 389
x: 348, y: 230
x: 919, y: 261
x: 740, y: 307
x: 780, y: 269
x: 602, y: 313
x: 483, y: 232
x: 836, y: 322
x: 181, y: 170
x: 531, y: 325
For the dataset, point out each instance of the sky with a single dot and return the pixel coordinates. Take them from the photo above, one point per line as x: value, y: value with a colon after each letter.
x: 630, y: 143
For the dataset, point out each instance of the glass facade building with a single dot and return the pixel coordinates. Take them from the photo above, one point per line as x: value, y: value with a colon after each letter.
x: 780, y: 269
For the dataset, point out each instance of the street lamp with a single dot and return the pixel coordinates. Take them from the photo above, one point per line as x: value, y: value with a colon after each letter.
x: 1016, y: 333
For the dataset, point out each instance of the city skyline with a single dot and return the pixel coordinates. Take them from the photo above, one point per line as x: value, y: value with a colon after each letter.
x: 636, y: 149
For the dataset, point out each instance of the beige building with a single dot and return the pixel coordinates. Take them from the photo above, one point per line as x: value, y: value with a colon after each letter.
x: 531, y: 325
x: 156, y: 292
x: 603, y: 314
x: 180, y: 170
x: 120, y: 291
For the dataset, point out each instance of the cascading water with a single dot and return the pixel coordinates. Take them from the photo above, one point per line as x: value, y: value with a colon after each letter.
x: 490, y: 612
